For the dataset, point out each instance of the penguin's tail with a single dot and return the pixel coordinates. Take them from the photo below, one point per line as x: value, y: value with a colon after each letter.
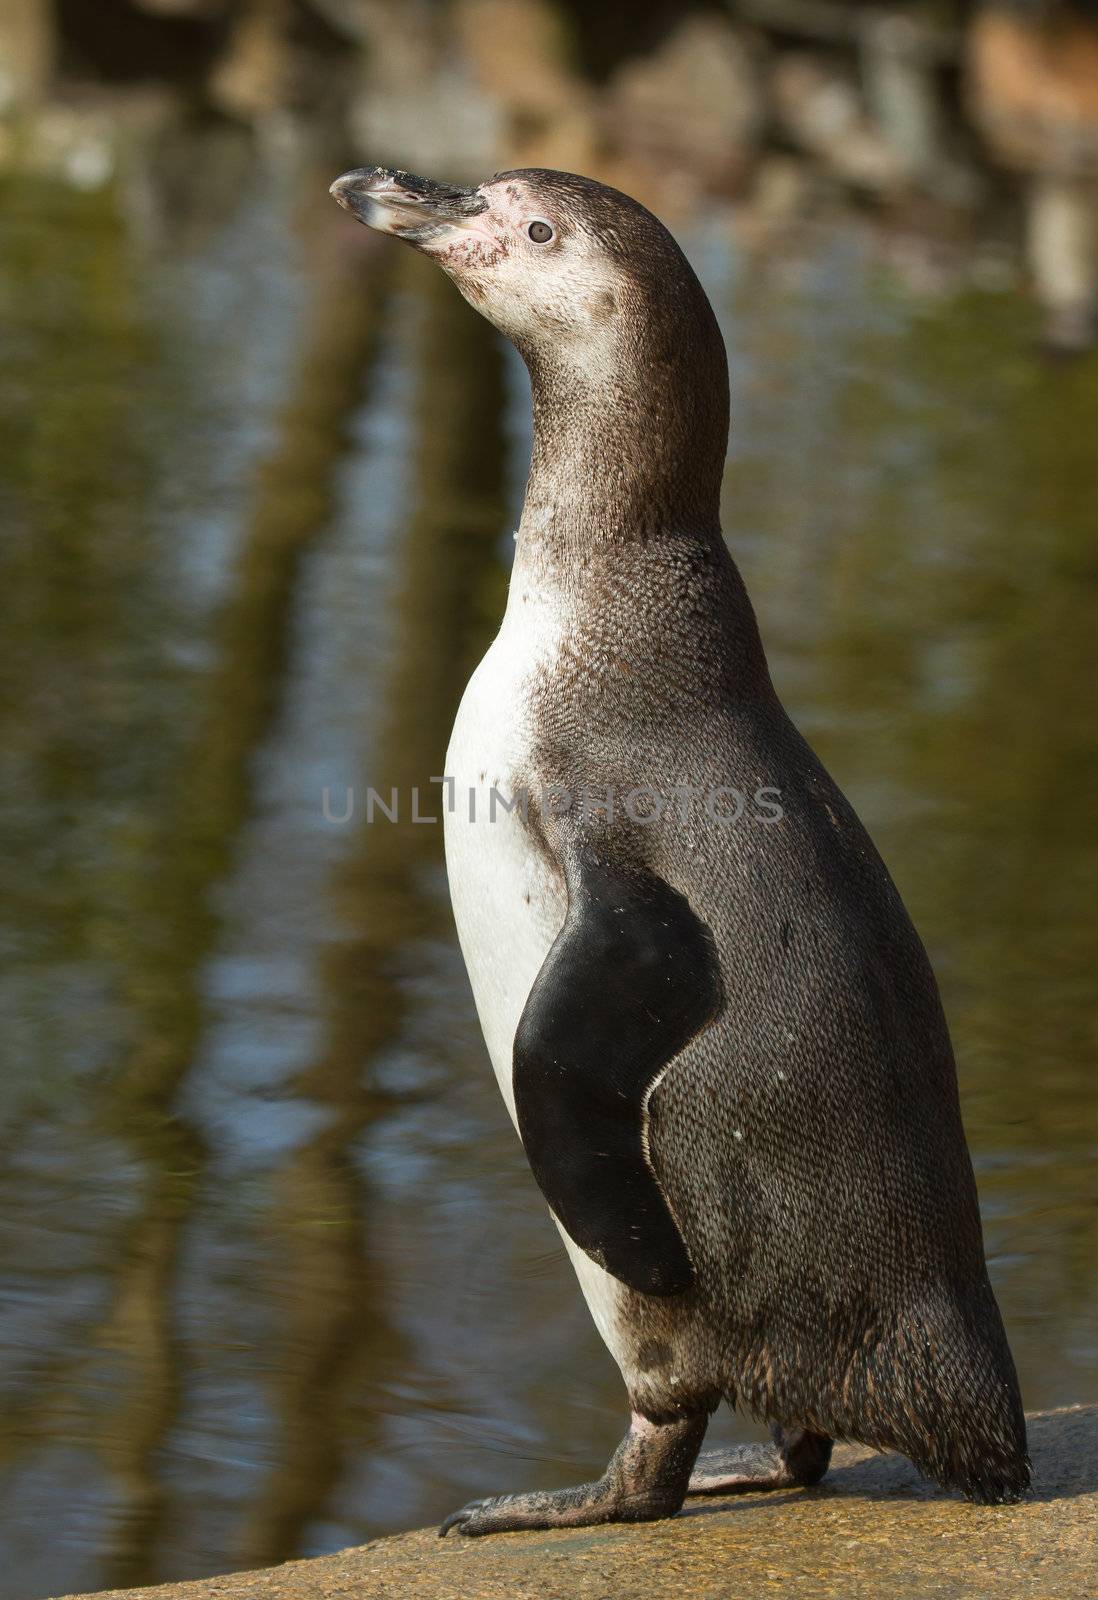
x: 954, y: 1402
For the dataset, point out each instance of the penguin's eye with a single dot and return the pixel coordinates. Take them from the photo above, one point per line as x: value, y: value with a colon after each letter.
x: 540, y: 232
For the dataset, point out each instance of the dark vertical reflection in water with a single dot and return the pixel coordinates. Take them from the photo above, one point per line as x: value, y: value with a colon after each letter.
x: 275, y: 1275
x: 125, y: 1387
x: 80, y: 471
x: 291, y: 503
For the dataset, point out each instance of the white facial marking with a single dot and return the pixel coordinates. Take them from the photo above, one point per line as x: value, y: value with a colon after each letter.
x: 535, y: 272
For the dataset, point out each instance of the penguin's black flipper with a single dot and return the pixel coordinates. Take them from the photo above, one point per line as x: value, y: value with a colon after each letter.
x: 631, y: 977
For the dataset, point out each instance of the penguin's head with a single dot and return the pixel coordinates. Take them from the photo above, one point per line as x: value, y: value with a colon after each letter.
x: 627, y: 364
x: 564, y: 266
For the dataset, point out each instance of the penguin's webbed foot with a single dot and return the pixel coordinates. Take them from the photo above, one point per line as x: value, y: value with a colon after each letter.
x: 646, y: 1479
x: 795, y: 1459
x: 504, y: 1513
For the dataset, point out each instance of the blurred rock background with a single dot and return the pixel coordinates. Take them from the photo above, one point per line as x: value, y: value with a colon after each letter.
x: 969, y: 131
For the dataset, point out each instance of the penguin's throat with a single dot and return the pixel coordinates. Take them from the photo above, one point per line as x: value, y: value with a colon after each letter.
x: 621, y: 459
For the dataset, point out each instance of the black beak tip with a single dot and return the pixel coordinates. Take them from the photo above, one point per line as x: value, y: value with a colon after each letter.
x: 351, y: 190
x: 400, y: 202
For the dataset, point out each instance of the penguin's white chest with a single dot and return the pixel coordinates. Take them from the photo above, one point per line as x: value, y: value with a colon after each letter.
x: 509, y: 903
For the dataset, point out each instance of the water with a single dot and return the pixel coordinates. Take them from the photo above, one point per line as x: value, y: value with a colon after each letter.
x: 275, y: 1278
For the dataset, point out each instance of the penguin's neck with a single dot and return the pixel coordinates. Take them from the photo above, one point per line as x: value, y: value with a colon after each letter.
x: 620, y: 458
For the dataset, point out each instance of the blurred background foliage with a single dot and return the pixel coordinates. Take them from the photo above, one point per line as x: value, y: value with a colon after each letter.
x: 274, y: 1276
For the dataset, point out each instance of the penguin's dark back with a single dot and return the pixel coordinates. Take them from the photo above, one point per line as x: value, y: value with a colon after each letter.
x: 809, y: 1141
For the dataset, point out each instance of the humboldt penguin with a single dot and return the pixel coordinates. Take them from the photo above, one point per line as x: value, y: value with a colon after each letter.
x: 713, y: 1023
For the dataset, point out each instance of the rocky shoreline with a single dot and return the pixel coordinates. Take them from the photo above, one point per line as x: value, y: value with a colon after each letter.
x: 873, y: 1528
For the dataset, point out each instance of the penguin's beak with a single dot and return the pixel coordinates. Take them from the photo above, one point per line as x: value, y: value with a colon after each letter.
x: 415, y: 209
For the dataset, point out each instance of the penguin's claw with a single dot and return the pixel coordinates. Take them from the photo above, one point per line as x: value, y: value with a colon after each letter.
x: 581, y: 1507
x: 504, y: 1513
x: 458, y: 1519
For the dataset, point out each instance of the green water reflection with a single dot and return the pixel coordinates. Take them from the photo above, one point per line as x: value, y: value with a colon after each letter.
x: 275, y: 1278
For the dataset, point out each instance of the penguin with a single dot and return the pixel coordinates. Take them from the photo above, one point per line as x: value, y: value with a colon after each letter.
x: 713, y: 1024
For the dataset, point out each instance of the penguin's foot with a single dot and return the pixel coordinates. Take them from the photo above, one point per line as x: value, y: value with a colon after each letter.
x: 795, y: 1459
x: 646, y: 1479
